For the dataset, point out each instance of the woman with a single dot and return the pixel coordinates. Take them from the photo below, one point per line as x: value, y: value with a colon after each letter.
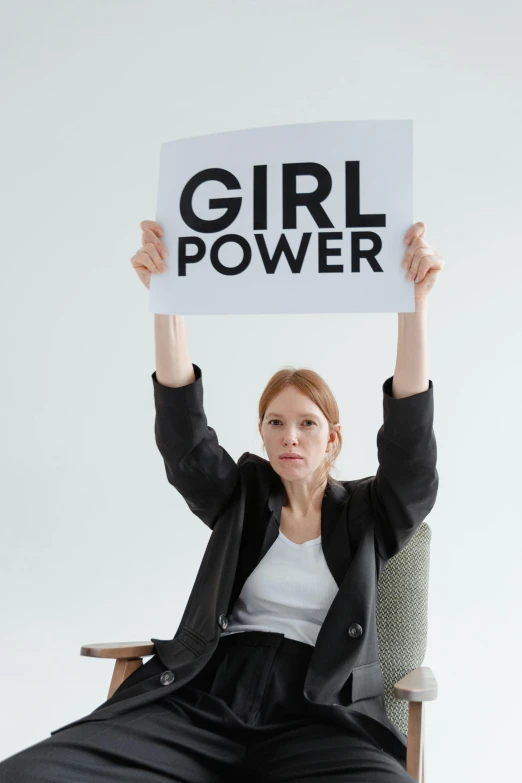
x: 273, y: 674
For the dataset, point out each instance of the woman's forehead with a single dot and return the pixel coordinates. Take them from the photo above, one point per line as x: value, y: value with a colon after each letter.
x: 291, y: 401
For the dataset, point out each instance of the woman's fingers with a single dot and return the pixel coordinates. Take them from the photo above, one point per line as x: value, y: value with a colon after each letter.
x: 149, y: 259
x: 412, y: 258
x: 152, y: 225
x: 149, y: 237
x: 151, y: 231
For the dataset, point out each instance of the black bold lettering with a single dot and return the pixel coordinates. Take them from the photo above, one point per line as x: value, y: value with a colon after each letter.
x: 324, y: 251
x: 260, y: 197
x: 227, y: 270
x: 270, y: 264
x: 232, y: 205
x: 354, y: 219
x: 369, y: 254
x: 183, y: 258
x: 312, y: 200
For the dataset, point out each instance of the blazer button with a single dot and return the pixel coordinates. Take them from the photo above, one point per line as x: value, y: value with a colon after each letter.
x: 167, y: 677
x: 223, y: 621
x: 355, y: 630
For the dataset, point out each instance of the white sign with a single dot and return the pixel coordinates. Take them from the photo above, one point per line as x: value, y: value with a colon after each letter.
x: 304, y: 218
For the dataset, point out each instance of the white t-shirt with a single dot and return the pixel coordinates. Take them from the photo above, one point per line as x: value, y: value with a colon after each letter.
x: 290, y: 592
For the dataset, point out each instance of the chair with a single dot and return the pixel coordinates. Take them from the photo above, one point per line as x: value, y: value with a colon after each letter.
x: 401, y: 613
x: 402, y: 625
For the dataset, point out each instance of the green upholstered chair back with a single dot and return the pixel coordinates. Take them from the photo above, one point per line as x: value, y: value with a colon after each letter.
x: 402, y: 618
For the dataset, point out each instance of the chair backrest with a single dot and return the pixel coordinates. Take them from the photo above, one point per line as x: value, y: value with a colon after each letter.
x: 402, y: 618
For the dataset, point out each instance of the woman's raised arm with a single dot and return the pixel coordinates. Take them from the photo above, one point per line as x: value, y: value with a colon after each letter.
x: 200, y: 469
x: 196, y: 464
x: 173, y: 364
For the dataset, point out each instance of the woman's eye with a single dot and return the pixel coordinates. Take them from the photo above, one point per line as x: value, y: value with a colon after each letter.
x: 271, y: 420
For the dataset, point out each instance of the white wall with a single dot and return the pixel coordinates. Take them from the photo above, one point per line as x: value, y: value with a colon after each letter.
x: 95, y: 544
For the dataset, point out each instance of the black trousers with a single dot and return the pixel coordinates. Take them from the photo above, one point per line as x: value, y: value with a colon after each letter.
x: 243, y: 717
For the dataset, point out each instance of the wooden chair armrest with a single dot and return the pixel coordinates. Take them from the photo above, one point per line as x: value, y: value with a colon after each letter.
x: 128, y: 658
x: 418, y: 685
x: 118, y: 650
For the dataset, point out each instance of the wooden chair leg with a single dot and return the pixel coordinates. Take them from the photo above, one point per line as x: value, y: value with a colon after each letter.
x: 415, y: 747
x: 123, y: 668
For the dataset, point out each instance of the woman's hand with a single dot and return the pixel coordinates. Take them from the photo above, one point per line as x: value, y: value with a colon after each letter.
x: 149, y: 258
x: 421, y: 261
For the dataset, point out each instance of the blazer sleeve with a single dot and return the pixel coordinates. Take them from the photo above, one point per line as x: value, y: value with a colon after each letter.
x: 196, y: 464
x: 404, y: 490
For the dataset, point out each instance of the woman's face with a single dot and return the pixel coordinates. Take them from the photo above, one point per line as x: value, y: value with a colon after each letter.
x: 293, y: 423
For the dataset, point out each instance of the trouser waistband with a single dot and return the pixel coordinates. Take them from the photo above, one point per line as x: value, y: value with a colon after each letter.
x: 266, y: 639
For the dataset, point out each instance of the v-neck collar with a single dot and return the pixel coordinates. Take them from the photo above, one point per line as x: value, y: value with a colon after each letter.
x: 334, y: 538
x: 295, y: 544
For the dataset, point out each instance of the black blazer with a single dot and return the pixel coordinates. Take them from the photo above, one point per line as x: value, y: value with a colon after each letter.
x: 363, y: 523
